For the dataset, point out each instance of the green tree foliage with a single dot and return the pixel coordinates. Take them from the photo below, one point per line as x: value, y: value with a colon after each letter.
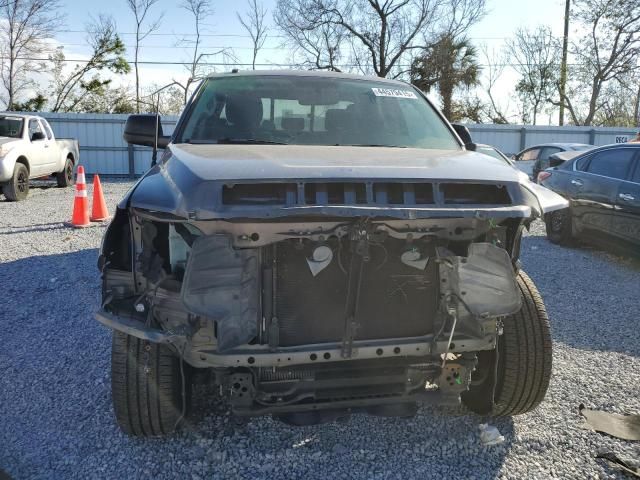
x: 108, y: 51
x: 34, y: 104
x: 450, y: 64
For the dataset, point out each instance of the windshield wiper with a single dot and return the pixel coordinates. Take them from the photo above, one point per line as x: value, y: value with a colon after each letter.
x: 241, y: 141
x: 368, y: 145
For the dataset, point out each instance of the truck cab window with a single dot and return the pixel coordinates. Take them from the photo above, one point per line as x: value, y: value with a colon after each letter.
x: 34, y: 127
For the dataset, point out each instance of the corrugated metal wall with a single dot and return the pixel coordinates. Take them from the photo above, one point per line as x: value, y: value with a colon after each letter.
x: 513, y: 138
x: 103, y: 151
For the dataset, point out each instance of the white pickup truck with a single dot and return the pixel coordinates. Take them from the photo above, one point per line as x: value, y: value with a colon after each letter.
x: 28, y: 149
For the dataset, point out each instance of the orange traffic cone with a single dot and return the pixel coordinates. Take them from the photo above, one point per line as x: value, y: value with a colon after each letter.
x: 99, y: 213
x: 80, y: 217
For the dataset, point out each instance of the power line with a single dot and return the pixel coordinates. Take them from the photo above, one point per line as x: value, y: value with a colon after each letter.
x: 200, y: 47
x: 155, y: 34
x: 232, y: 35
x: 226, y: 64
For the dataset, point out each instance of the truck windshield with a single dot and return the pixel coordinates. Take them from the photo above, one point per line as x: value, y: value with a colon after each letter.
x: 301, y: 110
x: 11, y: 127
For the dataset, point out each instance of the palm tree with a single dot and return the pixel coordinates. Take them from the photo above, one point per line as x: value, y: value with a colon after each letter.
x: 450, y: 63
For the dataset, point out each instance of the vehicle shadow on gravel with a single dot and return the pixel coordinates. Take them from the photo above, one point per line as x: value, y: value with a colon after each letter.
x: 592, y: 296
x: 34, y: 186
x: 436, y: 443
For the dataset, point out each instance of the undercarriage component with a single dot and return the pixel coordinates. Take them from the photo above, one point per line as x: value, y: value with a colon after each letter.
x: 349, y: 386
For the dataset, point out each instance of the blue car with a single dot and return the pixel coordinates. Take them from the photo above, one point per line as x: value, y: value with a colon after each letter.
x: 603, y: 189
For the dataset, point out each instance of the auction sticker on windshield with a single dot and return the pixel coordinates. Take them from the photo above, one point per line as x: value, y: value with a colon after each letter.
x: 393, y: 92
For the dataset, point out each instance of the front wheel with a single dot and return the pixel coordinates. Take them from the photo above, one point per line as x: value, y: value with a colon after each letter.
x: 558, y: 226
x: 65, y: 177
x: 518, y: 381
x: 17, y: 188
x: 150, y: 387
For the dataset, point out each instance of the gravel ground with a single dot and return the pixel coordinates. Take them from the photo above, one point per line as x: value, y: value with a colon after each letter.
x: 56, y: 418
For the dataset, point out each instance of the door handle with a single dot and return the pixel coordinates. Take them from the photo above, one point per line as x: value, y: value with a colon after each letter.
x: 578, y: 183
x: 627, y: 197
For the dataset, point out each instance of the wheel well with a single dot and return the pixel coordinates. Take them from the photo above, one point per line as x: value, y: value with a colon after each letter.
x: 70, y: 157
x: 25, y: 162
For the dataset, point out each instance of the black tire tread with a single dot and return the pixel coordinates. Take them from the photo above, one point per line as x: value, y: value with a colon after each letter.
x: 61, y: 177
x: 148, y: 403
x: 565, y: 236
x: 10, y: 188
x: 525, y: 348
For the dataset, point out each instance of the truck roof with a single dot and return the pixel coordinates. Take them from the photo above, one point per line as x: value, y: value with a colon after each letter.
x: 20, y: 115
x: 306, y: 73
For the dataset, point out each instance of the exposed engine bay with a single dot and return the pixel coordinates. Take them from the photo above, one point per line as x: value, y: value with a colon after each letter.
x: 317, y: 315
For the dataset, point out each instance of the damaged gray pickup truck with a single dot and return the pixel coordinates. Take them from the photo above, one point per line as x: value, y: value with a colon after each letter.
x: 317, y: 245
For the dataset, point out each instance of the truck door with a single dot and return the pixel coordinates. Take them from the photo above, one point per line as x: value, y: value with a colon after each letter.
x: 37, y: 151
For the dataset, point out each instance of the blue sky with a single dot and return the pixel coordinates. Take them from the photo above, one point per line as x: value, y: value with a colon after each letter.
x: 502, y: 19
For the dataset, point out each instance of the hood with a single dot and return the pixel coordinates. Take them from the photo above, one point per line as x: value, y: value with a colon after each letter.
x: 189, y: 180
x: 7, y: 140
x: 246, y: 162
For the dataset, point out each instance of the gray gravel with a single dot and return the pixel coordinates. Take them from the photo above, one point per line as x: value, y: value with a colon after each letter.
x: 56, y: 418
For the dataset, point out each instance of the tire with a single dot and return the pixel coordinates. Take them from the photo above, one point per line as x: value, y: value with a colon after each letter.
x: 65, y: 177
x: 558, y: 226
x: 524, y: 363
x: 147, y: 387
x: 17, y: 188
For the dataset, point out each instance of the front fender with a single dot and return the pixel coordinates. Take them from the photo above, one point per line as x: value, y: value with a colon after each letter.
x: 548, y: 200
x: 7, y: 165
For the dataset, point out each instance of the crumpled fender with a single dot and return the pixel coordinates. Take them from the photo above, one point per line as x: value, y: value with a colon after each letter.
x: 484, y: 281
x: 548, y: 200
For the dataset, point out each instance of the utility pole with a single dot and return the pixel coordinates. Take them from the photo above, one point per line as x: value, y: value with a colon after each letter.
x: 563, y: 67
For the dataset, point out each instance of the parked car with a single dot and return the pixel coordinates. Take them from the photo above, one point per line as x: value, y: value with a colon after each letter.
x: 493, y: 152
x: 28, y: 150
x: 324, y: 244
x: 530, y: 159
x: 603, y: 189
x: 555, y: 160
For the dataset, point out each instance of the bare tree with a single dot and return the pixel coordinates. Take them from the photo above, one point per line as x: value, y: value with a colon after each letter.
x: 144, y: 27
x: 200, y: 10
x: 619, y: 103
x: 253, y: 21
x: 25, y: 27
x: 493, y: 69
x: 107, y: 54
x: 318, y: 48
x: 535, y: 56
x: 165, y: 100
x: 381, y: 34
x: 607, y: 51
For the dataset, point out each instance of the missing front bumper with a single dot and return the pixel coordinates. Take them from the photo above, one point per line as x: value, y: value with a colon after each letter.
x: 263, y: 356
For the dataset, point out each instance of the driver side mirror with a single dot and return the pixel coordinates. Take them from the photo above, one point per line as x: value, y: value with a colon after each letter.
x: 37, y: 136
x: 141, y: 130
x: 465, y: 136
